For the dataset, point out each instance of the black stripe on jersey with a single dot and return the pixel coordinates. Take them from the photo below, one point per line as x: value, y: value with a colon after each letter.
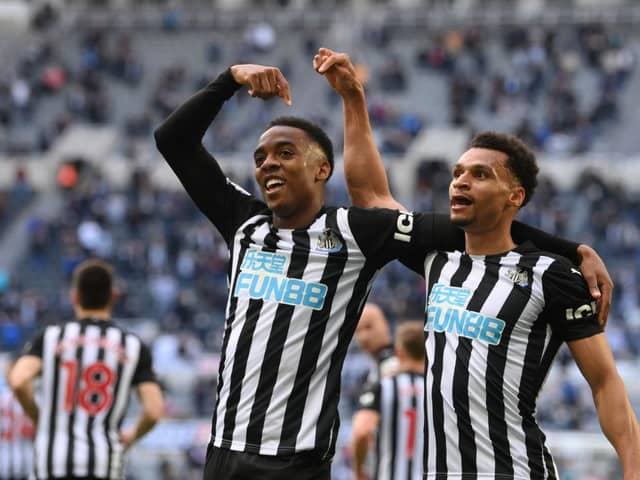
x: 91, y: 419
x: 243, y: 349
x: 275, y: 345
x: 107, y: 417
x: 394, y: 428
x: 245, y: 242
x: 436, y: 370
x: 534, y: 437
x: 74, y: 401
x: 497, y: 358
x: 54, y: 406
x: 311, y: 350
x: 327, y: 434
x: 460, y: 386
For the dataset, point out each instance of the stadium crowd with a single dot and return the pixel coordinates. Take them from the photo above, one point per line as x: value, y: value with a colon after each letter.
x: 560, y: 91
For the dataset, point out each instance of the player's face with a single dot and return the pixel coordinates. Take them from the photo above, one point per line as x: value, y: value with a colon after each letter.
x: 482, y: 190
x: 371, y: 333
x: 289, y: 170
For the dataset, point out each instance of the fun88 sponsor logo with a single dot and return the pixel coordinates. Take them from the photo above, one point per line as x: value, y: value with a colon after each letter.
x: 263, y: 277
x: 446, y: 313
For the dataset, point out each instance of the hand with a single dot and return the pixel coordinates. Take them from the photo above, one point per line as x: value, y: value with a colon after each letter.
x: 597, y: 277
x: 263, y: 82
x: 127, y: 437
x: 337, y: 68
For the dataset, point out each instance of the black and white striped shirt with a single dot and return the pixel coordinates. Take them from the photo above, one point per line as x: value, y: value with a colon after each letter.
x: 398, y: 399
x: 295, y: 299
x: 16, y: 439
x: 88, y: 369
x: 494, y: 324
x: 295, y: 295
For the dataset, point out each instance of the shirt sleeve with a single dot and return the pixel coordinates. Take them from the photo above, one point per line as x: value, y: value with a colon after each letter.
x: 385, y: 235
x: 144, y: 371
x: 179, y: 140
x: 521, y: 232
x: 35, y: 345
x: 369, y: 398
x: 570, y: 308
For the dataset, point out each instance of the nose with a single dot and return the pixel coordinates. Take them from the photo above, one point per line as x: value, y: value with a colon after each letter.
x: 270, y: 162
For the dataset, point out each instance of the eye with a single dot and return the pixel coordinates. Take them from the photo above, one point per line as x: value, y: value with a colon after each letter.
x: 286, y: 153
x: 480, y: 174
x: 258, y: 159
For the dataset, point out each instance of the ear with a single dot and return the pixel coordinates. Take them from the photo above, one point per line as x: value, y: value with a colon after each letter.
x: 116, y: 293
x: 73, y: 295
x: 324, y: 170
x: 517, y: 195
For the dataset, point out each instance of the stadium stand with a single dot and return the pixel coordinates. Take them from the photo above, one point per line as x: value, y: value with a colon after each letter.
x: 82, y: 84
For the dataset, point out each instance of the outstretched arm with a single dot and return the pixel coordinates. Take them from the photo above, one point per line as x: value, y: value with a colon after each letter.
x: 364, y: 170
x: 615, y: 413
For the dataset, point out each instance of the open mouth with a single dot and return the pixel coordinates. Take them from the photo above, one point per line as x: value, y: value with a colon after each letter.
x: 273, y: 184
x: 460, y: 201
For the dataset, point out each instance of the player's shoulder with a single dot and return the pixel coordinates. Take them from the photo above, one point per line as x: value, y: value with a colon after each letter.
x: 551, y: 262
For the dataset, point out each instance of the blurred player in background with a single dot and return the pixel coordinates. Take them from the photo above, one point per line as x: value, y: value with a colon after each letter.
x: 497, y: 312
x: 373, y: 335
x: 392, y: 410
x: 16, y: 436
x: 88, y: 367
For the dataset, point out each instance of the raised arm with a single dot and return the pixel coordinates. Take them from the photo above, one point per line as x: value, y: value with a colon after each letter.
x: 617, y: 419
x: 364, y: 170
x: 179, y: 139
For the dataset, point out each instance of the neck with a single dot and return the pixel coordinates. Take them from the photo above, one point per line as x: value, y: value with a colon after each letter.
x: 410, y: 365
x: 490, y: 242
x: 101, y: 314
x: 299, y: 220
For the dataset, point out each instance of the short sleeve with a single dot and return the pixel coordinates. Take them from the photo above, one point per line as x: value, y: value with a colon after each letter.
x: 35, y: 345
x: 369, y: 398
x: 144, y: 370
x: 385, y: 235
x: 570, y: 308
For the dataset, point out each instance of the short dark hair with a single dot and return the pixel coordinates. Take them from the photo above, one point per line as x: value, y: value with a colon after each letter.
x: 314, y: 132
x: 521, y: 160
x: 93, y: 282
x: 410, y: 338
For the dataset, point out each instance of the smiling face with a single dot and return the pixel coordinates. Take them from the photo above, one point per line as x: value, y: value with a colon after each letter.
x: 291, y: 171
x: 483, y: 192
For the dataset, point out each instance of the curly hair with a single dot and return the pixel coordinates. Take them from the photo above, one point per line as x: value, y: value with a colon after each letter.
x: 521, y: 160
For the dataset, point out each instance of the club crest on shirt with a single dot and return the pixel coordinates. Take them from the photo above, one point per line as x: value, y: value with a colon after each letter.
x: 518, y: 276
x: 329, y: 241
